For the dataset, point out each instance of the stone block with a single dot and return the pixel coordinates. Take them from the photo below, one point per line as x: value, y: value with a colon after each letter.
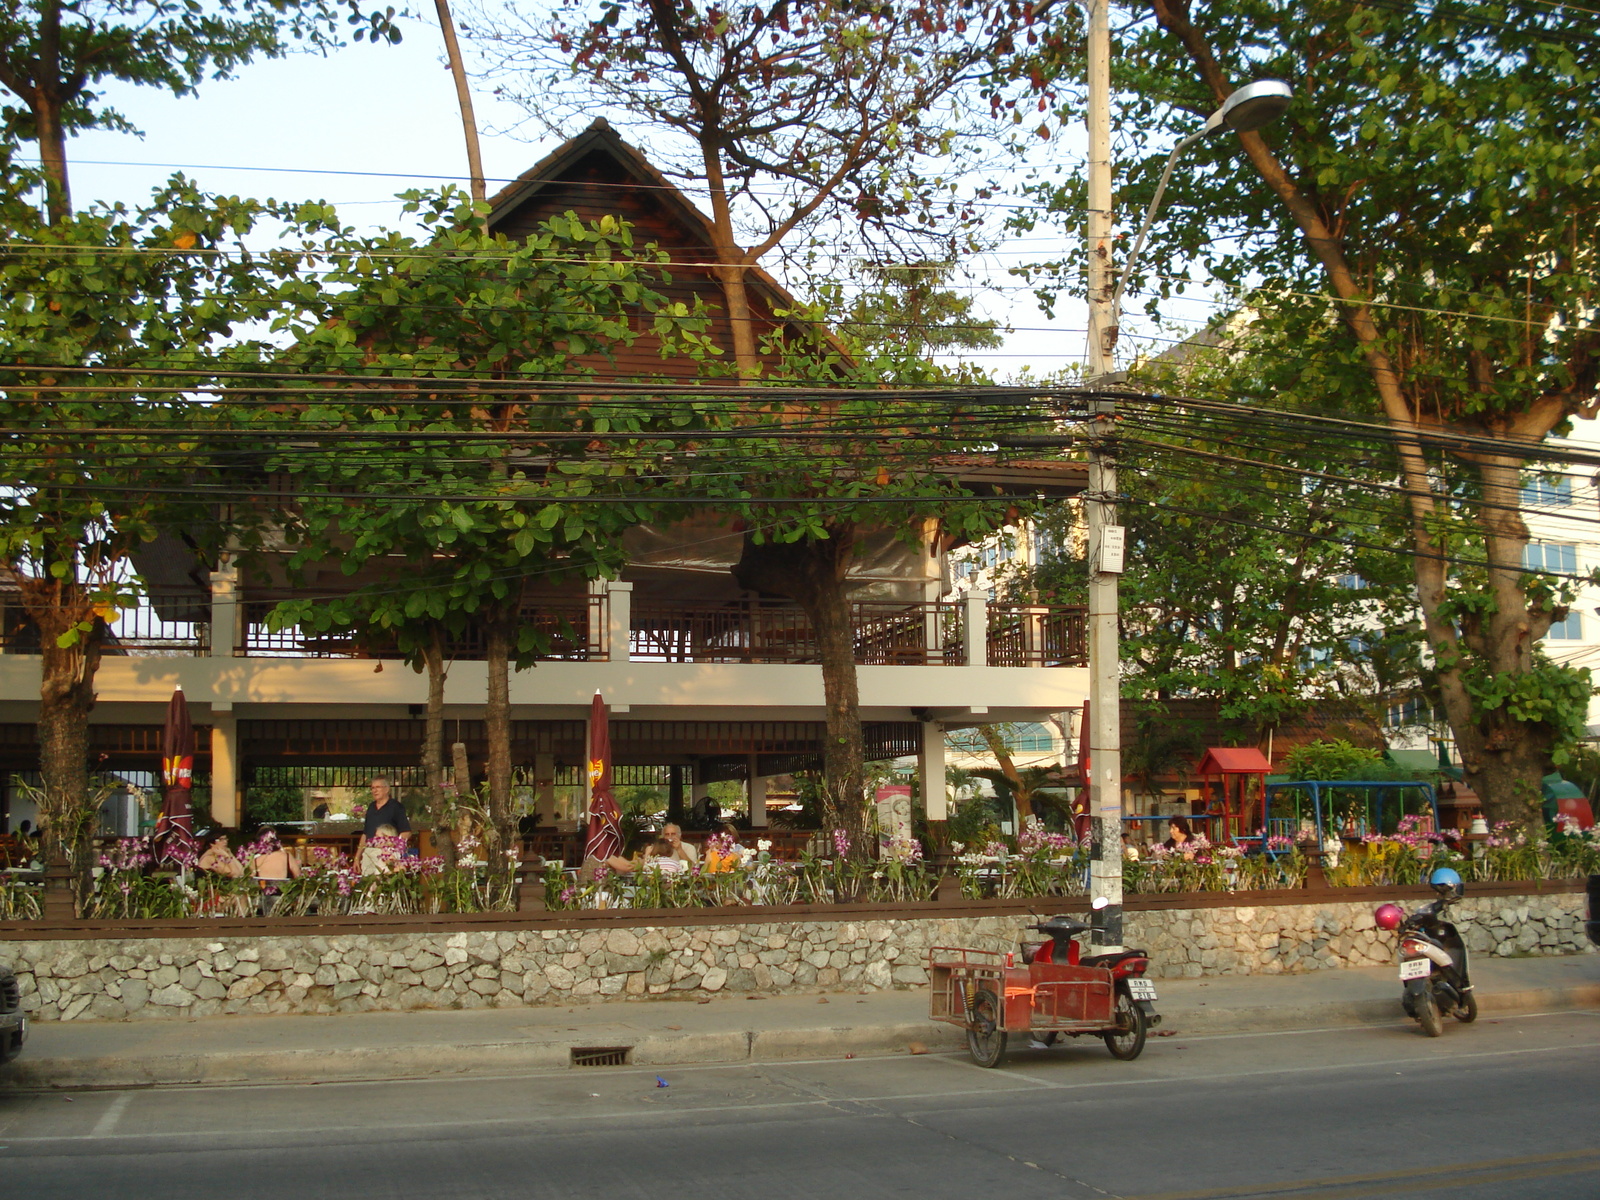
x: 171, y: 996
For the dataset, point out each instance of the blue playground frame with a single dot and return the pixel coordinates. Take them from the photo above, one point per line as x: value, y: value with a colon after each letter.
x: 1373, y: 822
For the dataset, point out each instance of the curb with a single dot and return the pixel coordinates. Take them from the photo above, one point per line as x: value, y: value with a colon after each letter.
x: 447, y: 1060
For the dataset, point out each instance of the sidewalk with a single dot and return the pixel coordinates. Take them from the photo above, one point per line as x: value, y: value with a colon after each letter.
x: 112, y: 1054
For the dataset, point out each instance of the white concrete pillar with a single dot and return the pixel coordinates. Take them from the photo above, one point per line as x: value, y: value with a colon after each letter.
x: 930, y: 772
x: 756, y: 793
x: 975, y: 630
x: 226, y: 800
x: 619, y: 623
x: 224, y: 609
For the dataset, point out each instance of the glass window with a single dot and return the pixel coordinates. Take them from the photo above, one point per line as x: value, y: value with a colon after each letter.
x: 1559, y: 557
x: 1548, y: 493
x: 1570, y: 629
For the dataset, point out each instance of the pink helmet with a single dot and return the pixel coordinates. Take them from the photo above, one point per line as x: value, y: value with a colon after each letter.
x: 1389, y: 916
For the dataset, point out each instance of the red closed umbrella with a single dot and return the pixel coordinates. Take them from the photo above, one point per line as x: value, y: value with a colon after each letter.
x: 605, y: 818
x: 174, y: 837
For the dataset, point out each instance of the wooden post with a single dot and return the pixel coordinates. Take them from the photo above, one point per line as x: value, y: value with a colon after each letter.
x: 58, y: 902
x: 530, y: 892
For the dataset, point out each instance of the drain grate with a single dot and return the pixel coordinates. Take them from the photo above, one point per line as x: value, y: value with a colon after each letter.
x: 601, y: 1056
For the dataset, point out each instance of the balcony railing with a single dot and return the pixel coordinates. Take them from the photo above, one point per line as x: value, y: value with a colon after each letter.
x: 883, y: 633
x: 565, y: 631
x: 576, y: 629
x: 1038, y: 636
x: 160, y: 625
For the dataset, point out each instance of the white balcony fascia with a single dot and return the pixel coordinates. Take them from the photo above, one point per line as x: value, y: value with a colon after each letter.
x: 642, y: 686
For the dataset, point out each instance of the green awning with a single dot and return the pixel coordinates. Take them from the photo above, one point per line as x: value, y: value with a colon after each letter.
x: 1423, y: 762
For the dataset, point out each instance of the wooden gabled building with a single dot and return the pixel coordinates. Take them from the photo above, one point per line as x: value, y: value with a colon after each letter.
x: 705, y: 678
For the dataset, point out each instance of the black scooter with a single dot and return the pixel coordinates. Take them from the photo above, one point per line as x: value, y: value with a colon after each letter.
x: 1433, y: 958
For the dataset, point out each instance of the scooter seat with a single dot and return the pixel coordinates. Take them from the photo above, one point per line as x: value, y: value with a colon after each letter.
x: 1111, y: 960
x: 1062, y: 929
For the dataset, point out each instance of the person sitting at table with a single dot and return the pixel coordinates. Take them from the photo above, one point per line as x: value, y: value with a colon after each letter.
x: 683, y: 851
x: 219, y: 858
x: 1180, y: 839
x: 723, y: 851
x: 658, y: 856
x: 272, y: 864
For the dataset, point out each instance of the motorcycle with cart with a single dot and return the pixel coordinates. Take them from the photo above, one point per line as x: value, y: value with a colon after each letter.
x: 1054, y: 991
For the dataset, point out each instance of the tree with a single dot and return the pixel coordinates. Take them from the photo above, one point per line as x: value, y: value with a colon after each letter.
x: 1429, y: 200
x: 109, y: 321
x: 909, y: 310
x: 56, y: 54
x: 808, y: 473
x: 807, y: 114
x: 446, y: 464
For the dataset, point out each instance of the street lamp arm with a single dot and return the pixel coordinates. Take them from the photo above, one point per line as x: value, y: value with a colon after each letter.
x: 1150, y: 217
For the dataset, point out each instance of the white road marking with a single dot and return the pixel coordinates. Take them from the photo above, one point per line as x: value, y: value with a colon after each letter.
x: 107, y: 1124
x: 439, y: 1128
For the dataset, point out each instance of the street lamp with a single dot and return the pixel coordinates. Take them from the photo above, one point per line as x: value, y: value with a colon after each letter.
x: 1252, y: 107
x: 1249, y: 108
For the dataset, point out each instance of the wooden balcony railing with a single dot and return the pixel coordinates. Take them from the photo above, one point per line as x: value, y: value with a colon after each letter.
x: 1022, y: 635
x: 160, y: 625
x: 565, y: 631
x: 884, y: 634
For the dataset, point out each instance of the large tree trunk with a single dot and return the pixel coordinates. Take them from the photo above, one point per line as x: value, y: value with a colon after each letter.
x: 497, y: 731
x: 66, y: 697
x: 811, y: 572
x: 440, y: 812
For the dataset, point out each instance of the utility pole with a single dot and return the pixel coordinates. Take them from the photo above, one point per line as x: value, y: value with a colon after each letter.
x: 1105, y: 535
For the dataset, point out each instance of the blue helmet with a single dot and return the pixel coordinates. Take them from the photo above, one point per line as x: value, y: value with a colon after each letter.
x: 1444, y: 879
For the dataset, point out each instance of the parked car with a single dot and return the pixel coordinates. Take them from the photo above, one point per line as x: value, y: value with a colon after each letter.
x: 13, y: 1024
x: 1591, y: 922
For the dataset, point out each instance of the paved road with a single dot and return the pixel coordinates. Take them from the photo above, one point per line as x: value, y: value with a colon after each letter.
x: 1505, y: 1109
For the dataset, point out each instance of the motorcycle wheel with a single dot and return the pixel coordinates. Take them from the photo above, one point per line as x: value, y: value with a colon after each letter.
x: 1127, y: 1041
x: 986, y: 1041
x: 1428, y: 1015
x: 1468, y: 1012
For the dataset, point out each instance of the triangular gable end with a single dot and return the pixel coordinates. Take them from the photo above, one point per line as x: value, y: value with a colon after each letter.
x: 597, y: 174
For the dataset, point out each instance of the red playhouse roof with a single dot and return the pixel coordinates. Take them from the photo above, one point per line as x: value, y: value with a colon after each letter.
x: 1234, y: 760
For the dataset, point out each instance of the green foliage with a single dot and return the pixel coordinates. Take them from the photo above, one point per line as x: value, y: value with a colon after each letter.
x: 1334, y: 758
x: 518, y: 497
x: 1415, y: 236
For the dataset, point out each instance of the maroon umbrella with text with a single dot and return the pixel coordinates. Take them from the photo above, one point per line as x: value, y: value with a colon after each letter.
x: 605, y: 819
x: 174, y: 837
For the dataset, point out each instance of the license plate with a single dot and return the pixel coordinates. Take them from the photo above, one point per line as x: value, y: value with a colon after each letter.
x: 1415, y: 968
x: 1141, y: 989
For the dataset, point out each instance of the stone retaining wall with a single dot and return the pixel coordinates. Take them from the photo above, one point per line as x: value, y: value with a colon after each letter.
x: 113, y: 979
x: 1275, y: 940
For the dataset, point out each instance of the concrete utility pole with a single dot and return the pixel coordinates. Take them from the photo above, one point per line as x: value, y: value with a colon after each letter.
x: 1105, y: 535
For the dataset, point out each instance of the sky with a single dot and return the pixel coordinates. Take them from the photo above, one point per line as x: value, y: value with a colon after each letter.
x: 362, y: 123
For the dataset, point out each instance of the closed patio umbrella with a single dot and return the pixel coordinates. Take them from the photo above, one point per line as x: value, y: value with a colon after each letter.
x: 174, y: 837
x: 605, y: 819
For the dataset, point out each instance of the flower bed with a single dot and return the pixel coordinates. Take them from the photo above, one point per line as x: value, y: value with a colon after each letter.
x: 131, y: 884
x: 1038, y: 864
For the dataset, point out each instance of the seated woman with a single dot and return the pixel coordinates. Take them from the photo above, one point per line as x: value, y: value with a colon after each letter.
x: 219, y: 859
x: 658, y: 856
x: 271, y: 864
x: 723, y: 851
x: 1180, y: 838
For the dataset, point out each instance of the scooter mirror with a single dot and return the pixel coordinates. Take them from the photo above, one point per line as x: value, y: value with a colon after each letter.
x: 1099, y: 902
